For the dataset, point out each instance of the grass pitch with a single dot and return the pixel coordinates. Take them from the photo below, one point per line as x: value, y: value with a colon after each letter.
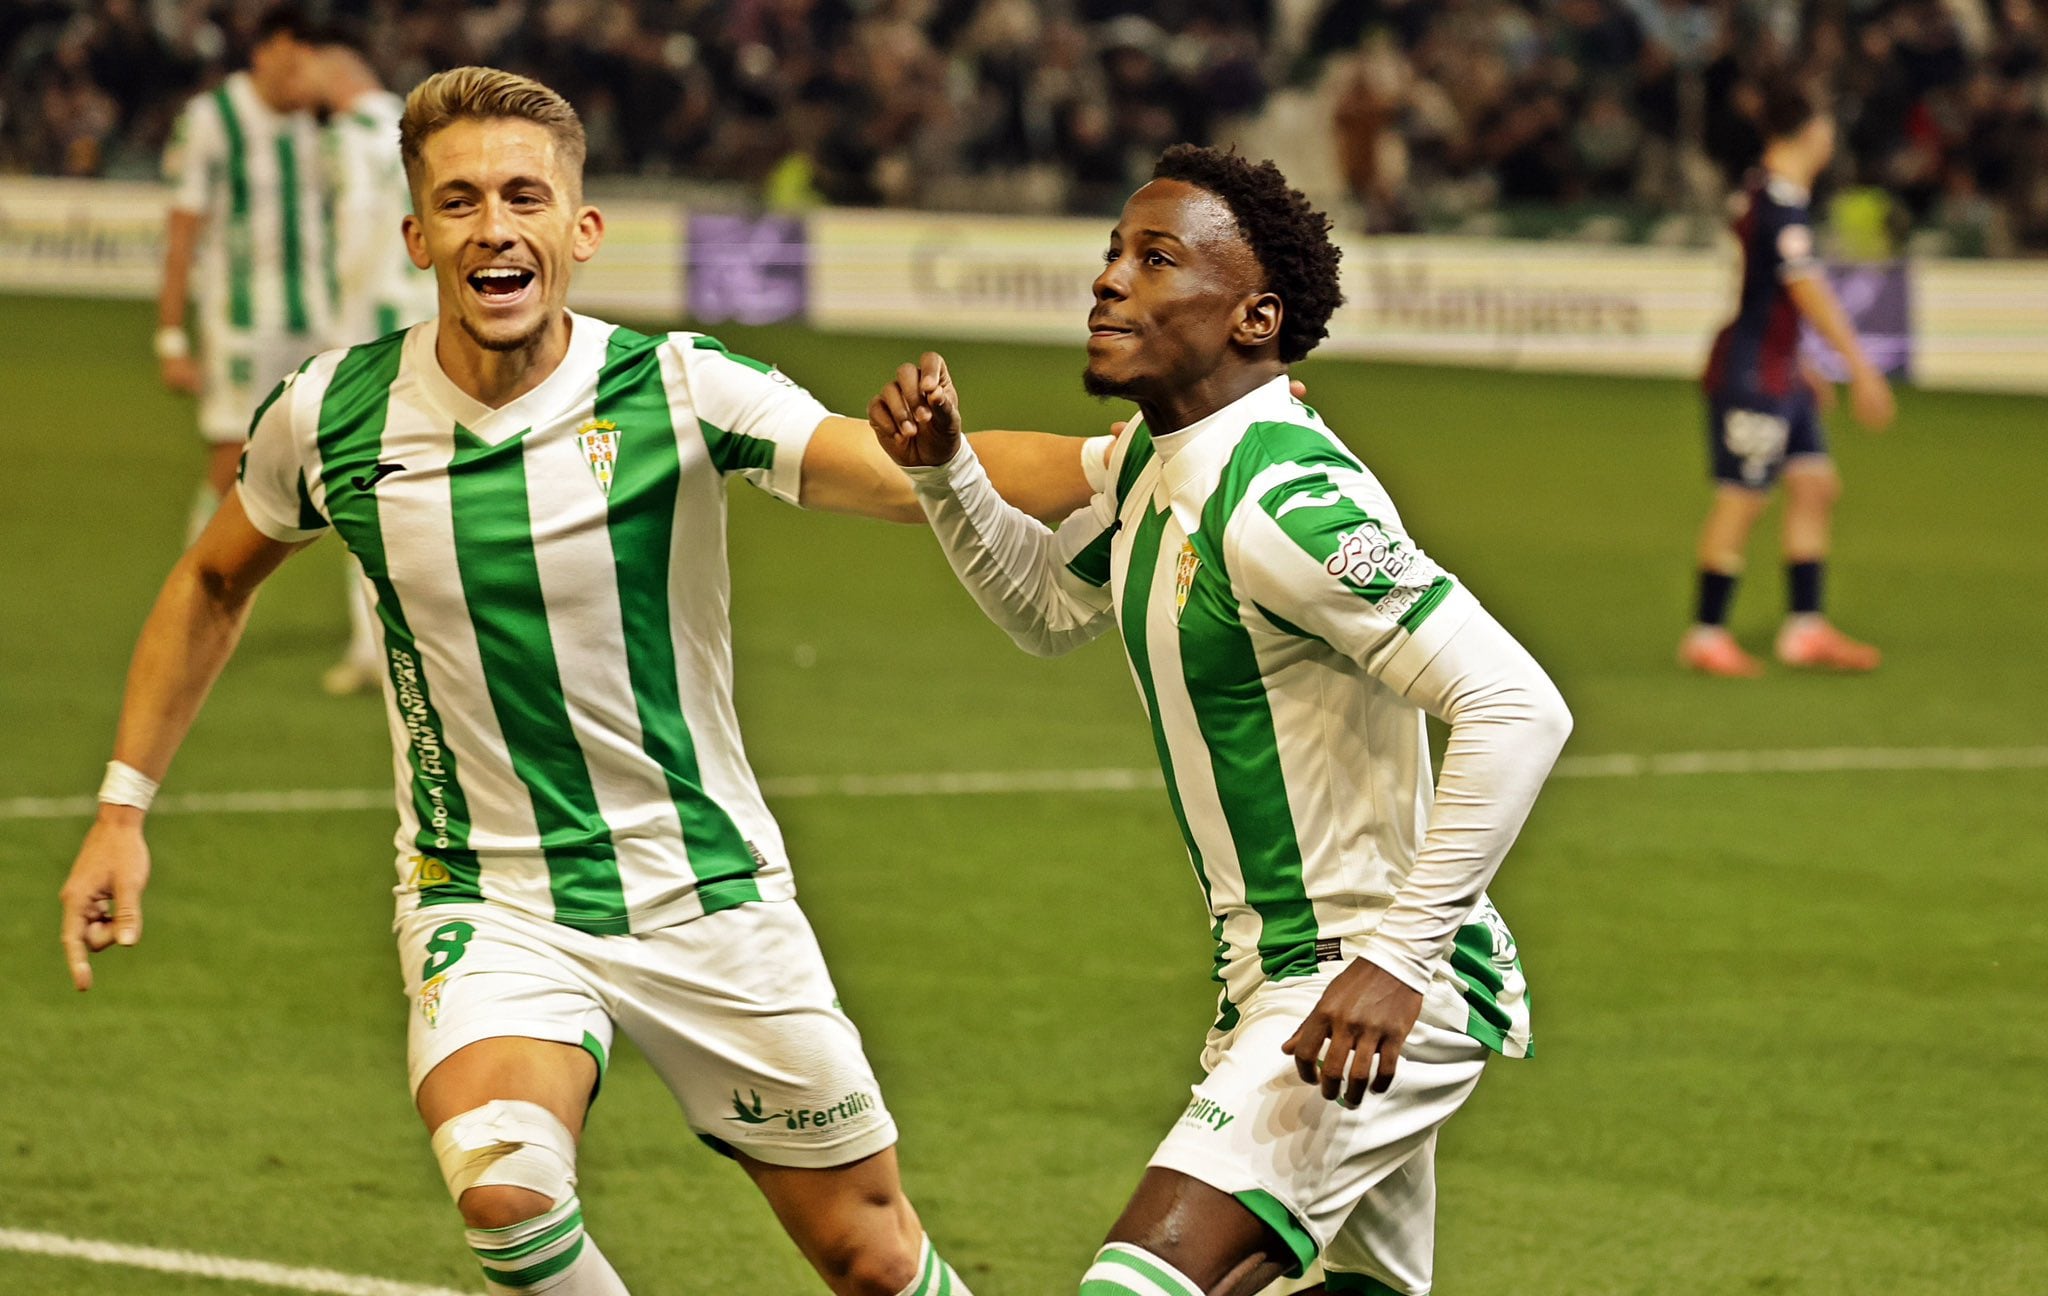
x: 1786, y: 1022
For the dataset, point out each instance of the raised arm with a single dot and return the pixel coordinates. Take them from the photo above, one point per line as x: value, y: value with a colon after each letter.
x: 1013, y: 565
x: 846, y: 471
x: 189, y: 636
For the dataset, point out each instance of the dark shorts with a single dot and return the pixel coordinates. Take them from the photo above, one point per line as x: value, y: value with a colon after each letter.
x: 1749, y: 438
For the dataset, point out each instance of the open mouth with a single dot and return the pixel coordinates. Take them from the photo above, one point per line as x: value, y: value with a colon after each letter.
x: 500, y: 284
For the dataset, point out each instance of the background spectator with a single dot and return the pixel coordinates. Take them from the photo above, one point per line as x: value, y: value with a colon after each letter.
x: 1399, y: 114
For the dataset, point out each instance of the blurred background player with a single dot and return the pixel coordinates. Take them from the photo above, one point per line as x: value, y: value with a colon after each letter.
x: 377, y: 287
x: 245, y: 243
x: 1764, y: 407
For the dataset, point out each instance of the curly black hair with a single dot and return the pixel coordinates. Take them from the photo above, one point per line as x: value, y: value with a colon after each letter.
x: 1290, y: 238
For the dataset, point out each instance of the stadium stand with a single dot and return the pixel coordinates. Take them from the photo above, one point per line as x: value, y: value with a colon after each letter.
x: 1601, y: 118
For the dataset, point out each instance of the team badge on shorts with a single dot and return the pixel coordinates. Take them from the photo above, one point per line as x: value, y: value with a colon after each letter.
x: 430, y: 1000
x: 598, y: 439
x: 1184, y: 577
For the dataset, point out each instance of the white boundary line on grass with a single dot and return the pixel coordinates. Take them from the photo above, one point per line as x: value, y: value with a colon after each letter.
x: 1809, y: 760
x: 225, y: 1268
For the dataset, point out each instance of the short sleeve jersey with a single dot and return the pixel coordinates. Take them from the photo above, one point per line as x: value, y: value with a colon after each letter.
x: 1756, y: 355
x: 1275, y: 612
x: 254, y: 177
x: 377, y: 287
x: 550, y: 581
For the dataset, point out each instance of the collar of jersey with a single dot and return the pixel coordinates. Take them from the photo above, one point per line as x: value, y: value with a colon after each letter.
x: 1191, y: 459
x: 495, y: 427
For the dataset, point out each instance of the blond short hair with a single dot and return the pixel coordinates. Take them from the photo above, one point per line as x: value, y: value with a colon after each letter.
x: 479, y: 94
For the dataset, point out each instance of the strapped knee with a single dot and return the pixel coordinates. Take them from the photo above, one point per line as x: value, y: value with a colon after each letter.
x: 509, y: 1143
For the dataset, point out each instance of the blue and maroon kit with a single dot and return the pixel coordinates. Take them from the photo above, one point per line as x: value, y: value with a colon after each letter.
x: 1760, y: 410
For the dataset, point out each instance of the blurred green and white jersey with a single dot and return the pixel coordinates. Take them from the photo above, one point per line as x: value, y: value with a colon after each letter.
x: 1274, y: 613
x: 253, y: 176
x: 551, y: 582
x: 377, y: 288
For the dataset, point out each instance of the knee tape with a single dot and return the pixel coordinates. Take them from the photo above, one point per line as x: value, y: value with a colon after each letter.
x: 517, y: 1144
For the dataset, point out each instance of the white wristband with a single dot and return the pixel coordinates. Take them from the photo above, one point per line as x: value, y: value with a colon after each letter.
x: 128, y: 786
x: 172, y: 343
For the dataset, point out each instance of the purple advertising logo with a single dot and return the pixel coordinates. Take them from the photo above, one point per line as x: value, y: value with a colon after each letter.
x: 1879, y: 305
x: 752, y: 269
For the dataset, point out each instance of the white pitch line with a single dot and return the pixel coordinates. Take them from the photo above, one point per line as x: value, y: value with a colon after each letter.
x: 225, y: 1268
x: 1809, y: 760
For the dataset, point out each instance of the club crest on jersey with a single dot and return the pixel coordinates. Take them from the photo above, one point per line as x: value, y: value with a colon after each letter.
x: 430, y: 1000
x: 598, y: 439
x: 1184, y: 577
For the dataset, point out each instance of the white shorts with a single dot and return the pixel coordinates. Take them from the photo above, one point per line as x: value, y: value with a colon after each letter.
x: 237, y: 371
x: 734, y: 1010
x: 1356, y: 1185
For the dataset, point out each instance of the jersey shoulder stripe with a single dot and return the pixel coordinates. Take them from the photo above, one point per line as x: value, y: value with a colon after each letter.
x: 730, y: 451
x: 1263, y: 447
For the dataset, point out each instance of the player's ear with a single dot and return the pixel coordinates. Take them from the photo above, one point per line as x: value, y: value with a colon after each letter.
x: 589, y: 233
x: 415, y: 242
x: 1259, y: 322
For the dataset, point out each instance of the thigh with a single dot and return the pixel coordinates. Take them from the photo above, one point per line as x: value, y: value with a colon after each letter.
x: 1209, y: 1235
x: 832, y: 1214
x: 736, y: 1012
x: 1300, y: 1162
x: 474, y: 972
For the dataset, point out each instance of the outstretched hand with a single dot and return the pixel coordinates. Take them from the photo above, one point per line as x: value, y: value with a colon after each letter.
x: 1358, y: 1027
x: 917, y: 417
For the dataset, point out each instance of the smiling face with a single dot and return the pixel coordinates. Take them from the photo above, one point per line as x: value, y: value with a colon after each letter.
x: 1180, y: 297
x: 501, y: 222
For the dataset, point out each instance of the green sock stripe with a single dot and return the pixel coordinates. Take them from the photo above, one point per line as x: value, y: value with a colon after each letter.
x: 1136, y: 1262
x: 553, y: 1234
x: 538, y: 1273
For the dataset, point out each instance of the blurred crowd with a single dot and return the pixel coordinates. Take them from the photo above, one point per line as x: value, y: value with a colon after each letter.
x: 1400, y: 114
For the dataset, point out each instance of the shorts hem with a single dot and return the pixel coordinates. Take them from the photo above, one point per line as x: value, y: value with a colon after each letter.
x: 1166, y: 1159
x: 1349, y: 1283
x: 449, y: 1045
x: 828, y: 1157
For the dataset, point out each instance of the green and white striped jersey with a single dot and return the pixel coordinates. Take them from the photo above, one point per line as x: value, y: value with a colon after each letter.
x: 376, y: 286
x: 253, y: 175
x: 551, y: 582
x: 1275, y: 613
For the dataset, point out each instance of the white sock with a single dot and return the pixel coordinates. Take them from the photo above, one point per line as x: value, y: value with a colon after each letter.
x: 1121, y: 1269
x: 934, y: 1276
x: 548, y: 1253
